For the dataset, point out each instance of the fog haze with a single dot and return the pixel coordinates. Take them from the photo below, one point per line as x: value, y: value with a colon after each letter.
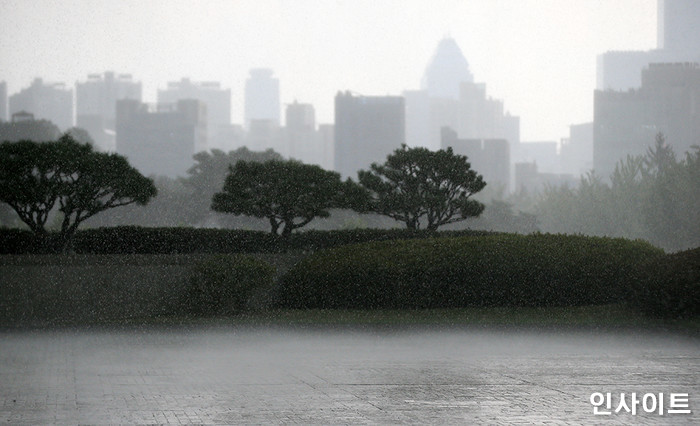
x: 537, y: 56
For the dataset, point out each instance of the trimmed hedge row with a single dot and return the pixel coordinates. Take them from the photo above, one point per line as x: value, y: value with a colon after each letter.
x: 496, y: 270
x: 670, y: 286
x: 226, y: 285
x: 140, y: 240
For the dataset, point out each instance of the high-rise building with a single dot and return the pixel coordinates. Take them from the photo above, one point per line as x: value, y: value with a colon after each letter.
x: 49, y: 101
x: 161, y: 139
x: 446, y: 71
x: 217, y: 100
x: 262, y: 97
x: 450, y: 98
x: 488, y: 157
x: 3, y: 101
x: 576, y: 151
x: 96, y: 100
x: 367, y: 129
x: 678, y: 31
x: 626, y: 123
x: 678, y: 25
x: 300, y: 132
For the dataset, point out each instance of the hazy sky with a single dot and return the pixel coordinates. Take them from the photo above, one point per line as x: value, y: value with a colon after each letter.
x: 538, y: 56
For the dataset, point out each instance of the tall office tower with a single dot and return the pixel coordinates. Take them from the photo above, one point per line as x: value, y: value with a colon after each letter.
x: 446, y: 71
x: 300, y: 132
x: 678, y: 40
x: 161, y: 139
x: 303, y: 141
x: 53, y: 102
x: 678, y: 26
x: 217, y: 100
x: 626, y: 123
x: 96, y: 101
x: 3, y: 101
x: 450, y: 98
x: 262, y: 97
x: 367, y: 129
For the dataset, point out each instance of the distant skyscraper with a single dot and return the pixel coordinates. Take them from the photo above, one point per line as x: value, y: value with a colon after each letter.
x: 576, y: 152
x: 96, y: 101
x: 161, y: 140
x: 451, y: 98
x: 53, y: 102
x: 678, y: 30
x: 446, y: 71
x: 217, y: 100
x: 262, y: 97
x: 3, y: 101
x: 626, y: 123
x: 367, y: 129
x: 300, y: 117
x: 303, y: 141
x: 678, y: 25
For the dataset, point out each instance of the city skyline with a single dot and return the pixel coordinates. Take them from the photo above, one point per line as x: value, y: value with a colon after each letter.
x: 538, y: 57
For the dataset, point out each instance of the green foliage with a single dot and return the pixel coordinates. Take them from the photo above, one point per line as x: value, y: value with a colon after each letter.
x: 80, y: 135
x: 670, y: 286
x: 287, y: 193
x: 138, y: 240
x: 225, y: 285
x: 416, y: 184
x: 36, y: 177
x: 186, y: 201
x: 655, y: 197
x: 208, y: 174
x: 496, y: 270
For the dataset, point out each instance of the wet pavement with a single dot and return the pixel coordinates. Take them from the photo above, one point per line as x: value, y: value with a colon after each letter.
x: 244, y: 375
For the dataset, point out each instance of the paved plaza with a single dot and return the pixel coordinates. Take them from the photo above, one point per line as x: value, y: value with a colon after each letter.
x: 263, y: 375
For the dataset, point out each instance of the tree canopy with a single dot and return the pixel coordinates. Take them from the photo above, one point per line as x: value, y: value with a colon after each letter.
x: 655, y: 196
x: 417, y: 185
x: 289, y: 194
x: 36, y: 177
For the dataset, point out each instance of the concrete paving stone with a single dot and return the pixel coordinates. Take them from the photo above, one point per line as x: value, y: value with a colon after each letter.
x: 256, y: 375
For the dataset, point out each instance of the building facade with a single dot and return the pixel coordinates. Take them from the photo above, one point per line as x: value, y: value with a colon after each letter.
x: 262, y: 97
x: 678, y: 40
x: 488, y: 157
x: 4, y: 116
x: 367, y: 129
x: 449, y: 97
x: 96, y: 103
x: 626, y: 123
x: 47, y: 101
x: 161, y: 139
x: 217, y: 100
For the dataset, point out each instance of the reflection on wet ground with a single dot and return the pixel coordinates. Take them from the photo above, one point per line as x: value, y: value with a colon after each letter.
x: 266, y: 375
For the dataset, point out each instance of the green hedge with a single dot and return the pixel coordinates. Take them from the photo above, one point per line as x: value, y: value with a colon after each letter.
x: 496, y: 270
x: 225, y: 285
x: 139, y: 240
x: 670, y: 286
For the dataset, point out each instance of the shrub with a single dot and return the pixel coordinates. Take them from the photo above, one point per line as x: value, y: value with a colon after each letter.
x: 226, y: 284
x: 495, y: 270
x: 139, y: 240
x: 670, y: 286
